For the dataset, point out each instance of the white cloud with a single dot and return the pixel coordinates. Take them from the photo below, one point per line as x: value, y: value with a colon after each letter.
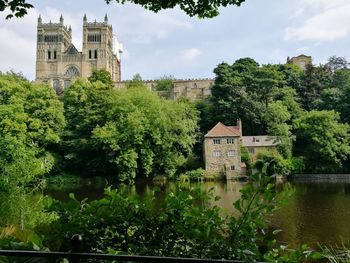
x: 17, y: 44
x: 19, y: 38
x: 142, y: 27
x: 328, y: 21
x: 297, y: 13
x: 190, y: 54
x: 302, y: 49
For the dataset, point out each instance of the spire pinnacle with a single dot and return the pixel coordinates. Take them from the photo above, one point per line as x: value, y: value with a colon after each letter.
x: 61, y: 19
x: 85, y: 18
x: 40, y: 19
x: 106, y: 18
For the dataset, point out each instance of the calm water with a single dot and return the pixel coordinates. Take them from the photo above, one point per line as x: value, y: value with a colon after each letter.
x: 317, y: 212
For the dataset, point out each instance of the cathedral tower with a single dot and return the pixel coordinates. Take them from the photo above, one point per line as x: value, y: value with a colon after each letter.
x: 58, y: 61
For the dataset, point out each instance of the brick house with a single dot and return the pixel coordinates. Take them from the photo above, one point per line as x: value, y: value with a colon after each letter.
x: 222, y: 150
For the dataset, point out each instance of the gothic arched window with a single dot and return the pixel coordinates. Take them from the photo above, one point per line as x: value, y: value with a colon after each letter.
x: 72, y: 72
x: 56, y: 85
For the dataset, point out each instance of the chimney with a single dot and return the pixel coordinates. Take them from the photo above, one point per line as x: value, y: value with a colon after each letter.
x: 239, y: 125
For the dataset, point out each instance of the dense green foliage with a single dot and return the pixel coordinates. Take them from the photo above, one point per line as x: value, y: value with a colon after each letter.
x: 17, y: 8
x: 185, y: 224
x: 31, y: 123
x: 290, y: 104
x: 129, y: 132
x: 101, y: 75
x: 322, y: 141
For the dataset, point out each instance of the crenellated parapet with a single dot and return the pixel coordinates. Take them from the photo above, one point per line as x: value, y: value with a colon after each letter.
x: 193, y: 89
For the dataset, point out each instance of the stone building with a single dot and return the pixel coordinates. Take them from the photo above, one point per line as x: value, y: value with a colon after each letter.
x: 258, y: 144
x: 301, y: 61
x: 58, y: 61
x: 222, y: 150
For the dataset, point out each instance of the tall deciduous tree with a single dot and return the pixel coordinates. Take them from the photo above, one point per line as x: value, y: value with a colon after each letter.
x: 31, y: 122
x: 322, y: 140
x: 244, y: 91
x: 130, y: 132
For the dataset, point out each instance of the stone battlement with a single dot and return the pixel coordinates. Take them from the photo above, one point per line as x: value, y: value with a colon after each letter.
x: 193, y: 89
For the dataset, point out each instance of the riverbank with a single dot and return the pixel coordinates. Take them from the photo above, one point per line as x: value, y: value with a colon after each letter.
x: 326, y: 178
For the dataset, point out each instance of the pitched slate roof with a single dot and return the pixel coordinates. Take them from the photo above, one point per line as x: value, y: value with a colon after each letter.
x: 260, y: 140
x: 72, y: 50
x: 221, y: 130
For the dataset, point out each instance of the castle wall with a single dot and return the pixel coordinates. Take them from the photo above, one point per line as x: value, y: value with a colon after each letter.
x: 193, y: 89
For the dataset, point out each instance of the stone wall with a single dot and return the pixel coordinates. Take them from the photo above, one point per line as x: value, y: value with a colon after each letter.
x: 193, y: 89
x: 222, y: 164
x: 321, y: 178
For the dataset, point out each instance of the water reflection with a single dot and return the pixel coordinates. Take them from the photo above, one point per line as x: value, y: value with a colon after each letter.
x: 316, y: 212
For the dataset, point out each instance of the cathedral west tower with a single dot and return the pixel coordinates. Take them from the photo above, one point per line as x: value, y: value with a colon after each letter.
x: 58, y: 62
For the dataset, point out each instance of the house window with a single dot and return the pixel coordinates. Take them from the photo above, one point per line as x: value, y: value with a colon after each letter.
x: 231, y: 153
x: 216, y: 141
x: 232, y: 168
x: 216, y: 153
x: 251, y: 150
x: 230, y: 141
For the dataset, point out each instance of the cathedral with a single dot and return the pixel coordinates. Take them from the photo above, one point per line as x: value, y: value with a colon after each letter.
x: 58, y: 61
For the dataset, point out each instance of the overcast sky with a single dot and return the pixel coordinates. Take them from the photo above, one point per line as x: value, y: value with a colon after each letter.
x: 170, y: 42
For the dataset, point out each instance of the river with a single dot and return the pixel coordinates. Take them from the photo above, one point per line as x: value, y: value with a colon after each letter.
x: 315, y: 213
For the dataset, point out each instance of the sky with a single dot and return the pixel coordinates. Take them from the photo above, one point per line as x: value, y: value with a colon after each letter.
x: 172, y: 43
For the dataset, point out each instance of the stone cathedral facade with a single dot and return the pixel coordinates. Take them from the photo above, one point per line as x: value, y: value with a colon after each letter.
x: 58, y: 61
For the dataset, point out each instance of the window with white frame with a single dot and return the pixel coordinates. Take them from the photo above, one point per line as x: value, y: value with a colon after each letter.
x: 231, y: 153
x: 216, y: 141
x: 230, y: 141
x: 216, y: 153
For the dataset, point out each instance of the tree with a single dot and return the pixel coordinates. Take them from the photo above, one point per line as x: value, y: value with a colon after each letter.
x: 31, y: 123
x: 101, y: 75
x: 244, y: 91
x: 164, y: 83
x: 276, y: 118
x: 322, y: 141
x: 131, y: 132
x: 314, y: 80
x: 17, y: 8
x: 335, y: 63
x: 202, y: 8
